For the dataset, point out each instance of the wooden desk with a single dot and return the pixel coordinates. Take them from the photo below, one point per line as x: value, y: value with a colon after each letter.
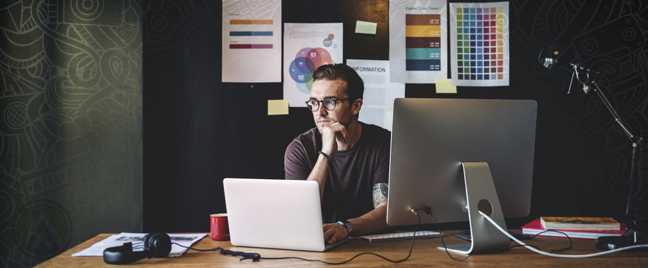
x: 425, y: 254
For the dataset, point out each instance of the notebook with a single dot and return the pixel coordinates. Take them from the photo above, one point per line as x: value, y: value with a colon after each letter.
x: 281, y: 214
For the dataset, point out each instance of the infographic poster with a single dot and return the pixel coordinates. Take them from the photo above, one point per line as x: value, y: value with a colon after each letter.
x: 379, y: 94
x: 251, y: 41
x: 308, y: 46
x: 418, y: 41
x: 480, y: 44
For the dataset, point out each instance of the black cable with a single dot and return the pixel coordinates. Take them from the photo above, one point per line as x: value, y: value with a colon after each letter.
x: 256, y: 257
x: 364, y: 253
x: 245, y: 255
x: 197, y: 249
x: 429, y: 212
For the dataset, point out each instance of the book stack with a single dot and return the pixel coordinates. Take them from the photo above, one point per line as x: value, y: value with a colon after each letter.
x: 575, y: 227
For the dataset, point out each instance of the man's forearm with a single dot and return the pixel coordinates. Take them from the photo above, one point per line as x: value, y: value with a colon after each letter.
x: 374, y: 221
x: 318, y: 174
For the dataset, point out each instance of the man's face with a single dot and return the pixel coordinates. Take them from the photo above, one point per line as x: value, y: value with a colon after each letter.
x: 344, y: 110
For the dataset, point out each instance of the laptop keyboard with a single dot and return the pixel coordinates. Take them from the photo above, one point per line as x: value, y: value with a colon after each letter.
x: 400, y: 236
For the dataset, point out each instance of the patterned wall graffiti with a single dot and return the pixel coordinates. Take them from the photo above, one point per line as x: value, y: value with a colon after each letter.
x: 70, y: 73
x: 591, y: 149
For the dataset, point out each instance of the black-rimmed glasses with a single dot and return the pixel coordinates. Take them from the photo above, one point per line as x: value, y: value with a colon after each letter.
x: 329, y: 104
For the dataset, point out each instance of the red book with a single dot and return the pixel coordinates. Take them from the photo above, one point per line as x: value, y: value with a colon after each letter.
x: 535, y: 227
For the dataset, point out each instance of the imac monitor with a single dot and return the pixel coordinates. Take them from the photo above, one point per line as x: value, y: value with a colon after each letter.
x: 452, y: 154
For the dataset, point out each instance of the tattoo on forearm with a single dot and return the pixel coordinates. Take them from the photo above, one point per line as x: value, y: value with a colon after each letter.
x: 380, y: 194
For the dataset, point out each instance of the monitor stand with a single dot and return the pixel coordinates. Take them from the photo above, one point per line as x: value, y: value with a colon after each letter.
x: 481, y: 195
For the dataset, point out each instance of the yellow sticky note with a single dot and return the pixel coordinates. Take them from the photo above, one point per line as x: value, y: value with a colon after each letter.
x: 363, y: 27
x: 444, y: 86
x: 277, y: 107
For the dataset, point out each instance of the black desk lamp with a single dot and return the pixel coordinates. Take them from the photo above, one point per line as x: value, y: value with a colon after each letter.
x: 558, y: 56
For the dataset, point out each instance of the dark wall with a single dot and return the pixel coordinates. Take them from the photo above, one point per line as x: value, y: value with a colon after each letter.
x: 71, y: 127
x: 198, y: 130
x: 72, y: 108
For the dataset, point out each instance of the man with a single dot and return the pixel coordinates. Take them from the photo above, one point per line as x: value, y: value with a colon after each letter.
x: 349, y: 159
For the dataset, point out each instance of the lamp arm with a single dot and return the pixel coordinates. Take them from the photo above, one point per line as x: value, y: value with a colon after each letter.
x: 616, y: 116
x: 635, y: 172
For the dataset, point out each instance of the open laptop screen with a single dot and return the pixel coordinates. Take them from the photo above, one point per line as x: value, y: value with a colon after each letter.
x: 282, y: 214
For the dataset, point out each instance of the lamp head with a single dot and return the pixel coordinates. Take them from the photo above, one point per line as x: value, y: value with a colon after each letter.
x: 553, y: 57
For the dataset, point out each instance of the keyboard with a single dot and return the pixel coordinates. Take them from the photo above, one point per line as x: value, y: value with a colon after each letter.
x: 399, y: 236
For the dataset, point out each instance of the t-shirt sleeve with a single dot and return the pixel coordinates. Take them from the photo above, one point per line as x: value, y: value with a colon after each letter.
x: 296, y: 161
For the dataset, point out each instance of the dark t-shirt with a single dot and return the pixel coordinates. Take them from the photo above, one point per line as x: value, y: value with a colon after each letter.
x: 348, y: 192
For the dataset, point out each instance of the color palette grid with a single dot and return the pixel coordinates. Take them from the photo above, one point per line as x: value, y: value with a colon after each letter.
x: 480, y: 43
x: 423, y: 42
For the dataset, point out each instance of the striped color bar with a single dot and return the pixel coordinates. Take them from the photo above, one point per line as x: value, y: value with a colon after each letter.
x: 422, y: 31
x: 239, y: 22
x: 423, y: 65
x: 423, y: 54
x: 249, y: 33
x: 423, y: 42
x: 423, y: 19
x: 250, y: 46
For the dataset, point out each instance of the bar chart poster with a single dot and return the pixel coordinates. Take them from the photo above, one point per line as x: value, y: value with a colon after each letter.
x: 418, y: 41
x: 308, y: 46
x: 479, y: 35
x: 251, y: 41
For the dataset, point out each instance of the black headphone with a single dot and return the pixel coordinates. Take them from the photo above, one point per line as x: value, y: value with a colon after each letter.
x: 157, y: 245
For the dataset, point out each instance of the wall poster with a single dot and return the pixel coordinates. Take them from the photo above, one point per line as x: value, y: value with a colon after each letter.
x: 306, y: 47
x: 251, y: 41
x: 479, y: 44
x: 417, y: 41
x: 379, y: 94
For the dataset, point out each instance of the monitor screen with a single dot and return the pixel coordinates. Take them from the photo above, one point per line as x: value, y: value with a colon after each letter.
x: 432, y: 137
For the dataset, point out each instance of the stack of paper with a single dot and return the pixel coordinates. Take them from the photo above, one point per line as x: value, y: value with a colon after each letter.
x: 580, y: 223
x: 98, y: 248
x: 535, y: 227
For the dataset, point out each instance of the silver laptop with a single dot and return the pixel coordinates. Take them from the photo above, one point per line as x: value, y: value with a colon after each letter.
x: 281, y: 214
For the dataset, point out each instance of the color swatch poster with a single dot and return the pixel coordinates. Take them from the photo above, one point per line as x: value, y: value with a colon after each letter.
x: 251, y: 41
x: 479, y: 44
x: 417, y: 41
x: 308, y: 46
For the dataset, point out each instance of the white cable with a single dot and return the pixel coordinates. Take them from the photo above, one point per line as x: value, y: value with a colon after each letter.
x: 558, y: 255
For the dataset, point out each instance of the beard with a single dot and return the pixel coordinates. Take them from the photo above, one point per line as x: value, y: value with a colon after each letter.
x: 344, y: 120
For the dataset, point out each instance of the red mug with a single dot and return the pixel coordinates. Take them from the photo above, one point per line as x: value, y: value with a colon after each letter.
x: 219, y: 227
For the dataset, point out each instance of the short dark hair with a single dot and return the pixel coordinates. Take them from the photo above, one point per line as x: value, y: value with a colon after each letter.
x: 332, y: 72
